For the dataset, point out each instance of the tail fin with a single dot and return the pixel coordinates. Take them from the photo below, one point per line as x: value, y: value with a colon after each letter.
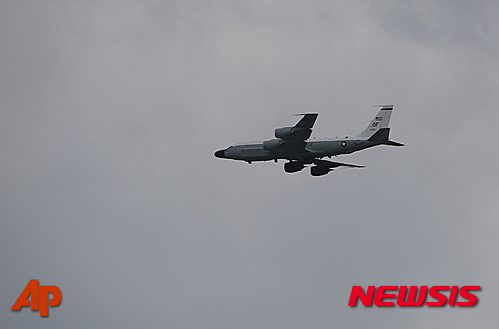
x: 380, y: 121
x: 378, y: 130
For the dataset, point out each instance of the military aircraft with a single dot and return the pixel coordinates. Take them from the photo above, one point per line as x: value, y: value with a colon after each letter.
x: 293, y: 144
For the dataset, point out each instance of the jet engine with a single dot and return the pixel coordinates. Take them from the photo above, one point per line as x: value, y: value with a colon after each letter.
x: 285, y: 132
x: 319, y: 170
x: 272, y: 144
x: 293, y: 166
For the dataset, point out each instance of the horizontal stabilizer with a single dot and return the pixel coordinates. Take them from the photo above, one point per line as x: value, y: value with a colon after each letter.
x: 392, y: 143
x: 382, y: 136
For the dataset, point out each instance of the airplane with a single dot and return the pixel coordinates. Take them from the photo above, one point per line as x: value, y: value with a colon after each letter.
x: 293, y: 144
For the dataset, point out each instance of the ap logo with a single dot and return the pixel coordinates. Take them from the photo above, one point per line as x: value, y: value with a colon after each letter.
x: 39, y: 297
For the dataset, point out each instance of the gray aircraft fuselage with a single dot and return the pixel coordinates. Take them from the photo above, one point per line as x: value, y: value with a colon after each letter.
x: 294, y: 145
x: 254, y: 151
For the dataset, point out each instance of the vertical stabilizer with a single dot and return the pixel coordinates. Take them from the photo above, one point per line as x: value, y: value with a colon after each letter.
x: 381, y: 120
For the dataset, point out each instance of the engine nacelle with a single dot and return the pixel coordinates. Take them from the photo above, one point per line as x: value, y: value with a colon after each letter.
x: 285, y: 132
x: 272, y: 144
x: 319, y: 170
x: 294, y: 166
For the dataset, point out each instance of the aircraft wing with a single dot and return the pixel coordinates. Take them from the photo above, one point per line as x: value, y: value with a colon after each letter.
x: 300, y: 132
x: 332, y: 164
x: 307, y: 121
x: 294, y: 137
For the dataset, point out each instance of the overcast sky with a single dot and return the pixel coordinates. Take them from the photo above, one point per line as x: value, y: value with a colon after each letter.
x: 110, y: 112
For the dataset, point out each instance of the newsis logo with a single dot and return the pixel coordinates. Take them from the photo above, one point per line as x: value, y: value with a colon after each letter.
x: 39, y: 297
x: 442, y: 295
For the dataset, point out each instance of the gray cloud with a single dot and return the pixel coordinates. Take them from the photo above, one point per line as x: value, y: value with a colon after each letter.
x: 454, y: 24
x: 111, y: 112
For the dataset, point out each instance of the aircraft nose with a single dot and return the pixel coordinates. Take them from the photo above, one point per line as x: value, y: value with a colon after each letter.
x: 220, y: 154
